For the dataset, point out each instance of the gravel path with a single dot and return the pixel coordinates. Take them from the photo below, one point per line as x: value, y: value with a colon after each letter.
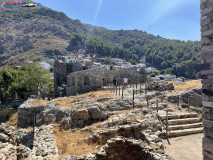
x: 185, y: 148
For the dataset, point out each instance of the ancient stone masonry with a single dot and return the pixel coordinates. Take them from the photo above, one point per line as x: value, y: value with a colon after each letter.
x: 27, y: 113
x: 207, y: 75
x: 44, y: 145
x: 121, y: 148
x: 62, y: 69
x: 94, y: 79
x: 75, y: 77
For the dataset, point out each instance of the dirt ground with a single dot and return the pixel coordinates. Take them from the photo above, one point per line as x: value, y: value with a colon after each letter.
x: 185, y: 148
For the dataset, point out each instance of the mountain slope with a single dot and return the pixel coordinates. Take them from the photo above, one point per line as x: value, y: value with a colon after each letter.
x: 28, y: 32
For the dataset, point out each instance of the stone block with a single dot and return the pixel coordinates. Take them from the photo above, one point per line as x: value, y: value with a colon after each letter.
x: 206, y: 10
x: 208, y: 116
x: 81, y: 114
x: 207, y: 33
x: 208, y: 144
x: 208, y: 104
x: 208, y: 132
x: 207, y: 21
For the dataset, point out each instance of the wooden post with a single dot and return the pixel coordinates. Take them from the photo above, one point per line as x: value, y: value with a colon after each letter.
x: 133, y: 99
x: 157, y: 104
x: 188, y: 103
x: 145, y: 89
x: 122, y: 92
x: 147, y: 103
x: 167, y: 118
x: 119, y: 91
x: 140, y: 88
x: 116, y: 89
x: 178, y: 102
x: 136, y: 85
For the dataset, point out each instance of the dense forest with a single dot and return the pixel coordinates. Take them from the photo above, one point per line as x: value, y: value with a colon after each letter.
x: 169, y: 56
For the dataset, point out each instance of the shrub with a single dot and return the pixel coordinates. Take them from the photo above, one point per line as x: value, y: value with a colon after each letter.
x: 6, y: 112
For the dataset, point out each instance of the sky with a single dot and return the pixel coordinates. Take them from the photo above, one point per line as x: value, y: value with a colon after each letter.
x: 173, y: 19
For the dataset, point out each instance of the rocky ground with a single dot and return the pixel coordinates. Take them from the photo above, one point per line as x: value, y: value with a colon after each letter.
x: 94, y: 126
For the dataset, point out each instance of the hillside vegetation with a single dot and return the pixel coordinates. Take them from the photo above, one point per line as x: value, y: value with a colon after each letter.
x: 26, y: 33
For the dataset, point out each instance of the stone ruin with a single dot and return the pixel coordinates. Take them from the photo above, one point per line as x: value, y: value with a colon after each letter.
x: 206, y: 74
x: 135, y: 137
x: 160, y: 86
x: 75, y: 77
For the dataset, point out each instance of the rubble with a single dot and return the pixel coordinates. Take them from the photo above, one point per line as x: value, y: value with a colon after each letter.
x: 160, y: 86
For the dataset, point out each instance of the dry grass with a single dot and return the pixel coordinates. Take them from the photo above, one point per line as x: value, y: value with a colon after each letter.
x: 13, y: 120
x: 29, y: 128
x: 185, y: 86
x: 67, y: 143
x: 126, y: 112
x: 83, y: 97
x: 131, y: 118
x: 188, y: 85
x: 39, y: 102
x: 97, y: 126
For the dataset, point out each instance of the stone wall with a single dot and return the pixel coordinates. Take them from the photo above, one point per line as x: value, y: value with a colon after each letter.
x: 27, y: 113
x: 121, y: 148
x: 61, y: 71
x: 207, y: 75
x: 44, y: 144
x: 93, y: 79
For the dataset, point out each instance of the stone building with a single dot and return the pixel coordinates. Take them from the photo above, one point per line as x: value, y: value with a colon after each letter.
x: 27, y: 113
x: 77, y: 77
x: 62, y: 69
x: 207, y: 75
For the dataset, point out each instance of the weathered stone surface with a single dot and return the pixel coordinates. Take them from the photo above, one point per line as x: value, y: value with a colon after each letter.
x: 95, y: 113
x: 194, y: 96
x: 7, y: 151
x: 207, y: 72
x: 66, y: 124
x: 208, y: 144
x: 81, y: 114
x: 23, y: 152
x: 160, y: 86
x: 24, y: 137
x: 4, y: 137
x: 173, y: 98
x: 44, y: 145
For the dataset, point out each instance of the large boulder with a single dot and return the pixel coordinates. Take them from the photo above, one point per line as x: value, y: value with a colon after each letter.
x: 173, y: 98
x: 81, y: 114
x: 94, y: 112
x: 66, y: 124
x: 194, y: 96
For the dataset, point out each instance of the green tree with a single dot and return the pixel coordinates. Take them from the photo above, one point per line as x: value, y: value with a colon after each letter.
x: 7, y: 80
x: 39, y: 58
x: 30, y: 79
x: 153, y: 75
x: 37, y: 78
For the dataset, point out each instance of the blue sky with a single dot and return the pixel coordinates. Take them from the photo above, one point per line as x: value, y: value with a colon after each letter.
x: 173, y: 19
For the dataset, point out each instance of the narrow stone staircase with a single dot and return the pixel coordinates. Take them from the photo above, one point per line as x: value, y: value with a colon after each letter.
x: 181, y: 123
